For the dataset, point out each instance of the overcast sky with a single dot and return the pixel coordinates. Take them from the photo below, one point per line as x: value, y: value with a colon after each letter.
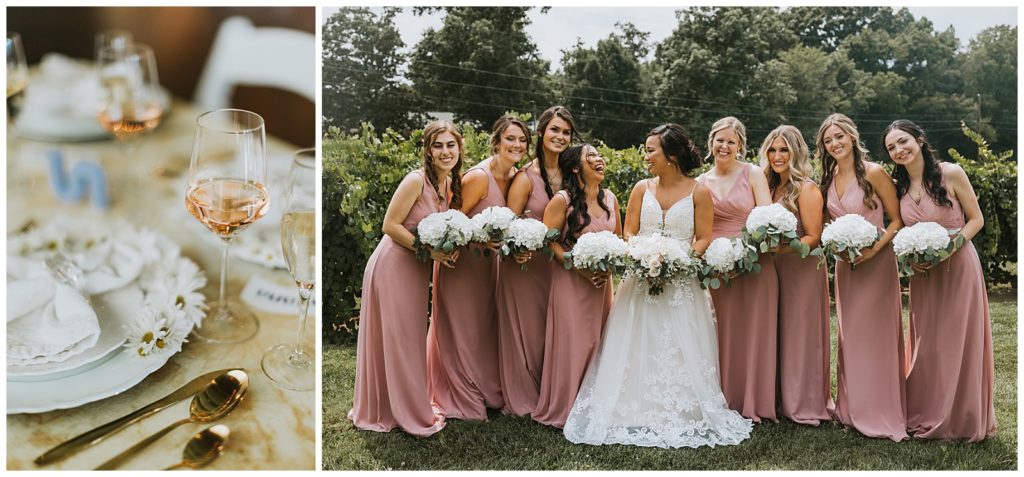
x: 591, y: 24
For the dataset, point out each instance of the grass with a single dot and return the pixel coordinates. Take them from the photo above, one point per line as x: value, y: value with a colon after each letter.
x: 513, y: 443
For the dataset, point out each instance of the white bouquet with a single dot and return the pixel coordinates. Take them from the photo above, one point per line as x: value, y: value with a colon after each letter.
x: 492, y: 223
x: 923, y: 243
x: 725, y: 256
x: 770, y: 225
x: 658, y: 260
x: 444, y: 231
x: 526, y: 235
x: 596, y: 251
x: 846, y: 237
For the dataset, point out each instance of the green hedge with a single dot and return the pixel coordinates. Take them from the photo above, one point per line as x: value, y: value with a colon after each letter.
x: 362, y: 171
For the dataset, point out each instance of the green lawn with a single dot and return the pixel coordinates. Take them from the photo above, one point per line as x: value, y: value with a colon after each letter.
x: 512, y: 443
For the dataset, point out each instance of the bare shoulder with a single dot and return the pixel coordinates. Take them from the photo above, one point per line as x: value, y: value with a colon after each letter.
x: 701, y: 193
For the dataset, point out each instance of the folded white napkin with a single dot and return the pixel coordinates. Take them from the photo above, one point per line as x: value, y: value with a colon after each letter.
x: 47, y: 321
x: 108, y: 266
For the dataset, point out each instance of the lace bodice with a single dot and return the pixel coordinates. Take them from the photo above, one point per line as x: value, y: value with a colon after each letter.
x: 676, y: 222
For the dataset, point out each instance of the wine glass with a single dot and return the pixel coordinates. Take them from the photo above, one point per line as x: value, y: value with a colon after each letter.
x: 17, y: 76
x: 117, y: 40
x: 290, y: 366
x: 131, y: 104
x: 227, y: 192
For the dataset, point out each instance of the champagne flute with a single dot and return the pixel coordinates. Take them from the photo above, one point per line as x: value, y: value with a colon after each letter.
x: 17, y: 76
x: 290, y: 366
x: 227, y: 192
x: 131, y: 104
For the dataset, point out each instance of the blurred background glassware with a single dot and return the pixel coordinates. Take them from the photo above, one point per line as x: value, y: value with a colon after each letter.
x: 290, y: 366
x: 17, y: 76
x: 131, y: 105
x: 227, y: 192
x: 115, y: 40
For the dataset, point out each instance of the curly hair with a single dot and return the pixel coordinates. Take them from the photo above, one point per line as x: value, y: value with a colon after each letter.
x: 570, y: 162
x: 678, y: 147
x: 800, y: 169
x: 829, y: 164
x: 932, y: 176
x: 430, y: 133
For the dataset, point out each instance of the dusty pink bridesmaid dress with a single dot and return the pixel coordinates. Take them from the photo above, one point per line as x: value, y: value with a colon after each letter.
x: 804, y: 373
x: 462, y: 342
x: 391, y: 365
x: 949, y: 382
x: 870, y: 368
x: 575, y: 319
x: 522, y: 316
x: 747, y: 316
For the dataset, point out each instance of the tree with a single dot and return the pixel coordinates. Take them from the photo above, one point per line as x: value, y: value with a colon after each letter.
x: 603, y: 86
x: 826, y: 27
x: 362, y: 57
x: 990, y: 72
x: 708, y: 65
x: 480, y: 64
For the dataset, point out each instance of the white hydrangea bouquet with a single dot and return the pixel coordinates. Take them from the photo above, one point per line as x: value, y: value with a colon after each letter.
x: 445, y: 231
x: 846, y: 237
x: 658, y: 260
x: 491, y: 225
x: 726, y: 257
x: 770, y: 225
x: 527, y: 235
x: 597, y: 252
x: 924, y: 243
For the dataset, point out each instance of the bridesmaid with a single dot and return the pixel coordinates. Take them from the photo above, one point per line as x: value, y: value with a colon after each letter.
x: 522, y: 295
x: 871, y: 384
x: 949, y: 383
x: 804, y: 372
x: 391, y: 367
x: 746, y: 312
x: 579, y: 302
x: 462, y: 343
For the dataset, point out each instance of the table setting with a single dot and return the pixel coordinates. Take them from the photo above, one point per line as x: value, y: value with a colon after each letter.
x: 134, y: 339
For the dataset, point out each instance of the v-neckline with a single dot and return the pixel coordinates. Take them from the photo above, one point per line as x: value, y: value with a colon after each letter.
x: 739, y: 176
x: 835, y: 186
x: 664, y: 212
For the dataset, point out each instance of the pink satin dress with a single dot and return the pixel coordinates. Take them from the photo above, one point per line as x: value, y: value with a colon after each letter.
x: 949, y: 382
x: 391, y: 364
x: 870, y: 368
x: 522, y: 315
x: 746, y: 314
x: 575, y: 319
x: 462, y: 342
x: 804, y: 372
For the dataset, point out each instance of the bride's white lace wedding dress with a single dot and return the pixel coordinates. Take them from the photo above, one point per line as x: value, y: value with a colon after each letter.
x: 655, y: 380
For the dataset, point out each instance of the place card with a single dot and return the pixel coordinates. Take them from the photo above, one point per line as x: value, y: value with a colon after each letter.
x: 271, y: 297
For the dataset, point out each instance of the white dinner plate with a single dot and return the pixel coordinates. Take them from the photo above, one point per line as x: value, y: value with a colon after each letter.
x: 114, y: 310
x: 111, y: 377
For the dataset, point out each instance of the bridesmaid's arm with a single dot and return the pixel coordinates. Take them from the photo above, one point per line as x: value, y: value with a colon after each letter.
x: 474, y: 188
x: 759, y: 187
x: 554, y: 218
x: 964, y: 192
x: 405, y: 197
x: 703, y: 218
x: 636, y: 199
x: 886, y: 191
x: 810, y: 202
x: 519, y: 192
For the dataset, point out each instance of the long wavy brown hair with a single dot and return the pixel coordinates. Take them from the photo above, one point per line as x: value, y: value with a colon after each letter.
x: 828, y: 163
x: 570, y: 161
x: 800, y: 169
x: 932, y: 176
x: 430, y: 133
x: 545, y: 118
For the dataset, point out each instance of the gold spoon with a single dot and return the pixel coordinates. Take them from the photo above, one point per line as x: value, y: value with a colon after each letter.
x: 204, y: 447
x: 215, y: 401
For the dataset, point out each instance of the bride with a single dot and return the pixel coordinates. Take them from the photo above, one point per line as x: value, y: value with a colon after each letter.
x: 655, y: 379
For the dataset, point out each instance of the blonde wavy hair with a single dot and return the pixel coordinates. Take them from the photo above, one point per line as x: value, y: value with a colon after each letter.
x: 828, y: 163
x: 800, y: 169
x: 728, y: 122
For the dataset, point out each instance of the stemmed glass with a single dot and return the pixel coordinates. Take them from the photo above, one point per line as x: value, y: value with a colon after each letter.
x: 117, y: 40
x: 17, y: 76
x: 227, y: 192
x: 131, y: 103
x: 290, y: 366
